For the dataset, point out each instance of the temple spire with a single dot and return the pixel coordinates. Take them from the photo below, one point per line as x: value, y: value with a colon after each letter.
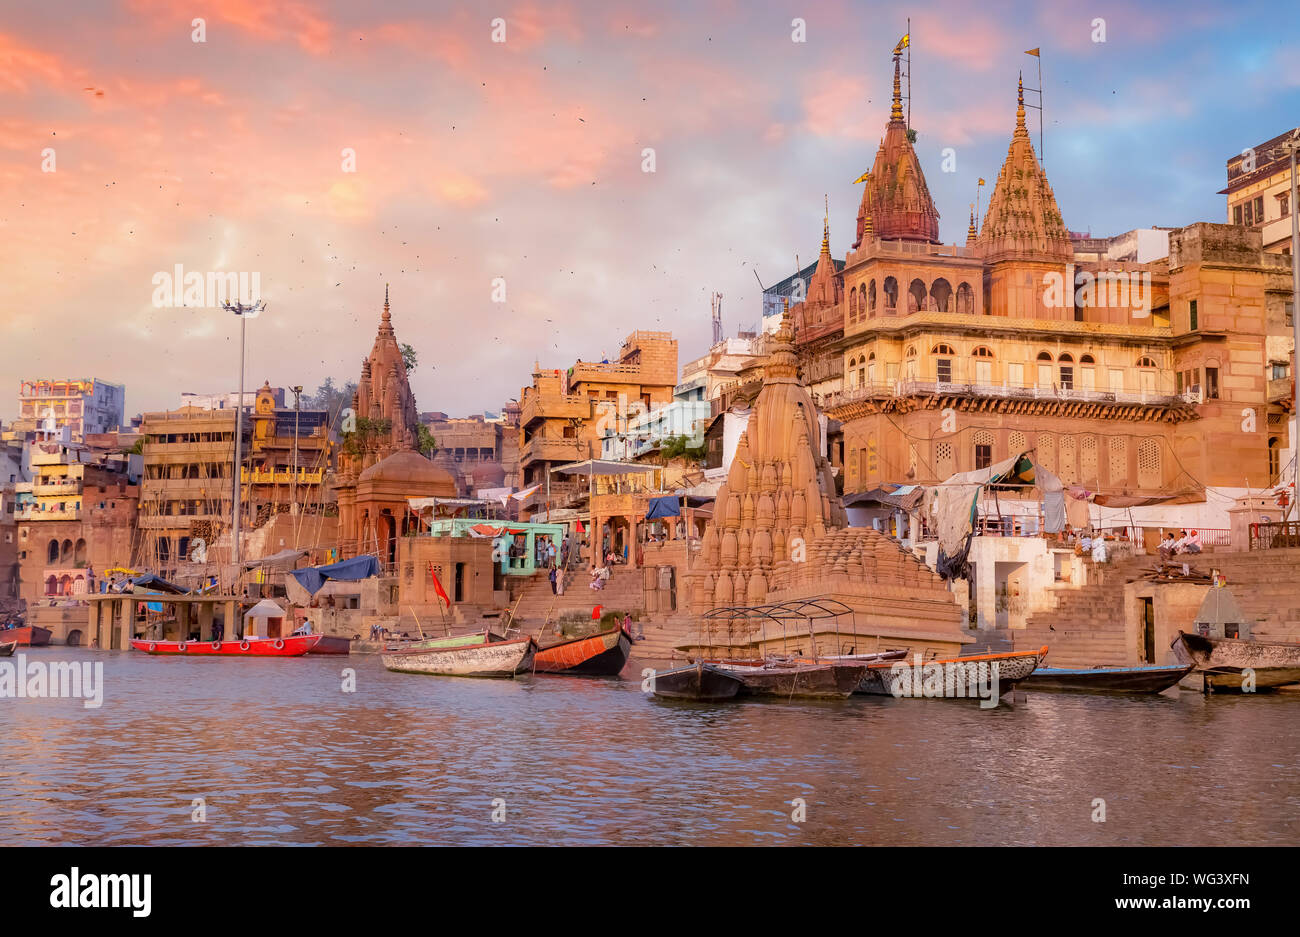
x: 970, y: 231
x: 387, y: 317
x: 826, y: 226
x: 1020, y: 104
x: 896, y: 111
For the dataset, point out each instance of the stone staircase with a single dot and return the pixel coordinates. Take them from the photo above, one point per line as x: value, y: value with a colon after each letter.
x: 1086, y: 627
x: 623, y: 592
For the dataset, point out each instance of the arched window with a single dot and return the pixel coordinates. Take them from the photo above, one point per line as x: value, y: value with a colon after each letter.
x: 1087, y: 359
x: 916, y: 296
x: 1066, y: 361
x: 965, y: 299
x: 909, y: 365
x: 53, y: 552
x: 853, y: 305
x: 982, y: 352
x: 1044, y: 356
x: 871, y: 299
x: 65, y: 553
x: 79, y: 552
x: 871, y: 368
x: 941, y: 294
x: 1274, y: 457
x: 52, y: 586
x: 891, y: 296
x: 942, y: 349
x: 1145, y: 362
x: 983, y: 365
x: 1066, y: 356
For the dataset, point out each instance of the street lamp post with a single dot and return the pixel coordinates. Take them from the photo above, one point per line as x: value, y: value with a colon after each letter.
x: 297, y: 409
x: 244, y: 311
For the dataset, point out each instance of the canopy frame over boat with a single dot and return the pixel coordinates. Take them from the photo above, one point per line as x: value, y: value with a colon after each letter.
x: 806, y: 611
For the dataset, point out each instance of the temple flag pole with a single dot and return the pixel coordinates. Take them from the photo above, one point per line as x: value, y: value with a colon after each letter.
x: 1037, y: 53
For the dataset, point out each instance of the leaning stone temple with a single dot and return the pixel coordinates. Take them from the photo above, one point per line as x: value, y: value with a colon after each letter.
x: 780, y: 533
x: 380, y: 466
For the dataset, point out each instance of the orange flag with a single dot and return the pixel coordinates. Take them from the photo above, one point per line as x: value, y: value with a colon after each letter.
x: 437, y: 586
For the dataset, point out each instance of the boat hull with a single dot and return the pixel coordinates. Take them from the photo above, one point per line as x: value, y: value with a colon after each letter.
x: 699, y: 681
x: 889, y: 678
x: 598, y: 655
x: 1226, y: 664
x: 1106, y: 679
x: 7, y: 650
x: 485, y: 659
x: 292, y: 646
x: 800, y: 680
x: 332, y: 644
x: 27, y: 636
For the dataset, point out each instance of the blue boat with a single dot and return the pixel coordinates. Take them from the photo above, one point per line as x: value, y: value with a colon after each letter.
x: 1152, y: 679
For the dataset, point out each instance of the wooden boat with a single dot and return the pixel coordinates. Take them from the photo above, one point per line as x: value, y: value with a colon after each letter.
x: 27, y: 635
x: 697, y: 681
x: 7, y: 650
x: 481, y: 658
x: 960, y: 678
x: 332, y: 644
x: 597, y: 655
x: 1106, y: 679
x: 864, y: 658
x: 1224, y: 661
x: 449, y: 641
x: 293, y: 646
x: 788, y: 679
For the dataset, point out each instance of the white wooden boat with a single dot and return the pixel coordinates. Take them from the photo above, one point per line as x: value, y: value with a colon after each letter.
x: 480, y: 659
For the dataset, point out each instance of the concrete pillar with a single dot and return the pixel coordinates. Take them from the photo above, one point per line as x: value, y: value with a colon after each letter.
x: 632, y: 539
x: 205, y: 621
x: 183, y: 620
x: 229, y: 614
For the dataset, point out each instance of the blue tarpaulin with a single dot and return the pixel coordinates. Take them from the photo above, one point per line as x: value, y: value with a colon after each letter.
x: 664, y: 507
x: 313, y: 578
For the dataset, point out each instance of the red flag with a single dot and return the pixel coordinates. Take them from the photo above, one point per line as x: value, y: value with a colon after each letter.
x: 579, y: 529
x: 595, y: 612
x: 437, y: 586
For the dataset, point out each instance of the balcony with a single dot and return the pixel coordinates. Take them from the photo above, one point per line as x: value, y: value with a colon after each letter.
x: 305, y: 477
x: 175, y: 521
x: 56, y: 488
x: 540, y: 407
x: 1006, y: 391
x: 553, y: 450
x: 35, y: 514
x: 1279, y: 388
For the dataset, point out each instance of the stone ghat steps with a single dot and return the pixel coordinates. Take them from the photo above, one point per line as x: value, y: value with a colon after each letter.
x: 623, y: 592
x: 661, y: 637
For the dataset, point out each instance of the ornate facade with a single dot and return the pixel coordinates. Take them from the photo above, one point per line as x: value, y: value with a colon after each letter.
x: 1128, y: 378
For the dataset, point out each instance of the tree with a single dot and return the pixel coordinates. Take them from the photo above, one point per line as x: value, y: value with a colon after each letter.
x: 409, y: 357
x: 425, y: 441
x: 137, y: 448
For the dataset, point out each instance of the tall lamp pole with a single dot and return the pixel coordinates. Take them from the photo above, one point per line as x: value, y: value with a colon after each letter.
x: 297, y: 408
x: 245, y: 312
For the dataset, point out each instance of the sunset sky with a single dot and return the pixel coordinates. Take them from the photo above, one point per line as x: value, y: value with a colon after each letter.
x: 523, y: 160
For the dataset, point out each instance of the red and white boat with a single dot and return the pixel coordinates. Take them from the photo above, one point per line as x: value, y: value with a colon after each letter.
x: 292, y: 646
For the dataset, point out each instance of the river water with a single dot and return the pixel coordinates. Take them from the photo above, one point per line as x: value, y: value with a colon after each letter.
x: 281, y: 754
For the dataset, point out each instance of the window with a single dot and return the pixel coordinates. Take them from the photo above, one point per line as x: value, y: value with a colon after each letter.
x: 1211, y: 383
x: 1191, y: 315
x: 943, y: 370
x: 1067, y: 376
x: 1279, y: 371
x: 983, y: 456
x: 1248, y: 214
x: 1044, y: 356
x: 1259, y: 209
x: 1283, y: 204
x: 1236, y: 214
x: 1016, y: 375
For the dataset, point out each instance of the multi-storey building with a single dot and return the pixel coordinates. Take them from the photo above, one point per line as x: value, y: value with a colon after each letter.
x: 83, y: 406
x: 1124, y: 377
x: 484, y: 447
x: 1259, y: 192
x: 564, y: 415
x: 75, y: 518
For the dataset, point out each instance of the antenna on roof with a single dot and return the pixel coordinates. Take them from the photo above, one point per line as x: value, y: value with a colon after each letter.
x: 716, y: 301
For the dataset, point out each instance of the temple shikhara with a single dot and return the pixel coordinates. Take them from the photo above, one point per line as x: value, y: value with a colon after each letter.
x: 380, y: 467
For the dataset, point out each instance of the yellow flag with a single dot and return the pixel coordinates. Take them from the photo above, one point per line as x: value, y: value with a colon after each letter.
x: 903, y: 43
x: 981, y: 182
x: 863, y: 178
x: 1033, y: 52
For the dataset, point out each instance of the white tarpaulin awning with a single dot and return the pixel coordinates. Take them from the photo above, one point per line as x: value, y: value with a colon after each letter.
x: 605, y: 467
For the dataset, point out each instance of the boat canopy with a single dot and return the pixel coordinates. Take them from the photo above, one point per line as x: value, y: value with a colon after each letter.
x: 313, y: 578
x: 957, y: 497
x: 265, y: 609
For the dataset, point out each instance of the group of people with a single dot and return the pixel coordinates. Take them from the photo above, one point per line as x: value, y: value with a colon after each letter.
x: 1186, y: 543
